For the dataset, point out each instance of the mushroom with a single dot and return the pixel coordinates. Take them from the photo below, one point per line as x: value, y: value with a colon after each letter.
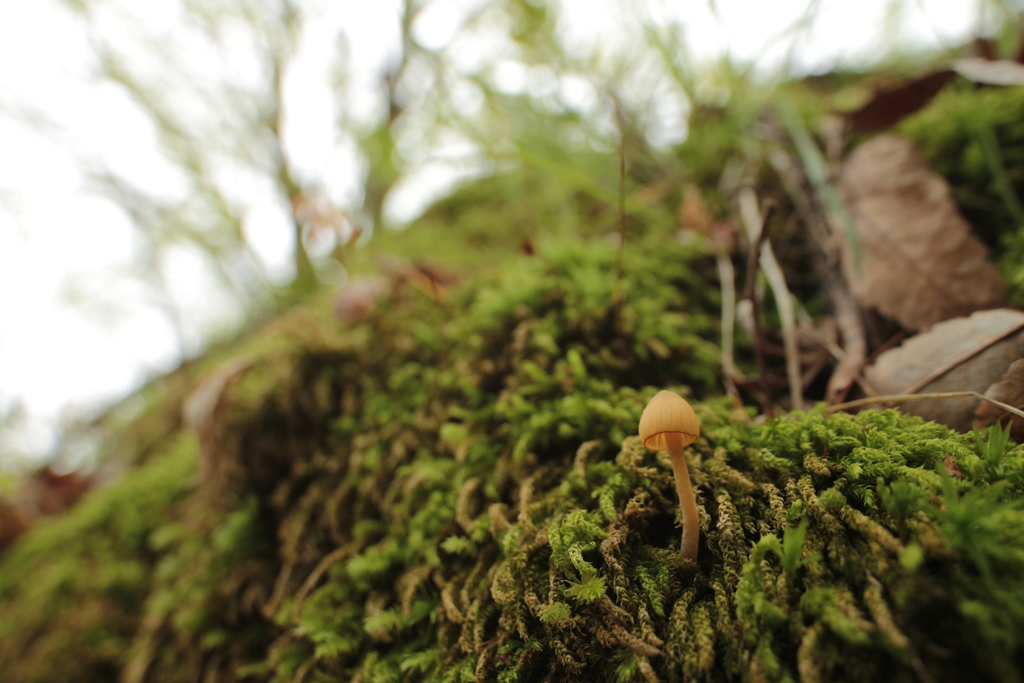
x: 668, y: 423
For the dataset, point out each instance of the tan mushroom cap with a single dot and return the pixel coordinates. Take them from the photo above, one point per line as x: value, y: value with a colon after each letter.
x: 668, y: 412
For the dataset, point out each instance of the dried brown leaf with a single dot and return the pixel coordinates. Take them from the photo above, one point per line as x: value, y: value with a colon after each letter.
x: 46, y: 492
x: 985, y: 48
x: 1009, y: 389
x: 889, y: 106
x: 963, y: 354
x: 951, y: 467
x: 694, y: 213
x: 360, y: 297
x: 919, y: 262
x: 999, y: 72
x: 12, y: 523
x: 428, y: 279
x: 201, y: 409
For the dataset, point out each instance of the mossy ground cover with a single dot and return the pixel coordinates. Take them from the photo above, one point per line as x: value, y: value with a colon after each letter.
x: 451, y: 489
x: 454, y: 491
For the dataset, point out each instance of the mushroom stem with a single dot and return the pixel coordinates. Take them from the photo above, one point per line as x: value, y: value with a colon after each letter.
x: 687, y: 502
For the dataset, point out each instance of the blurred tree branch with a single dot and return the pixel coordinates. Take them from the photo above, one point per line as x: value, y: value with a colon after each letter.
x: 438, y: 108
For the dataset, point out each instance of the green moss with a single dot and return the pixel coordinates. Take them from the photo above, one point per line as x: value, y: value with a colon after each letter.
x: 71, y: 591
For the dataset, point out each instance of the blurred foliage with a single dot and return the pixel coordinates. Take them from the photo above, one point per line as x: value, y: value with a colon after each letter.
x: 90, y: 573
x: 507, y: 95
x: 505, y: 91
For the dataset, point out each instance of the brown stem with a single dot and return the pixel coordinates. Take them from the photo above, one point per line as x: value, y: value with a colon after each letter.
x: 687, y: 502
x: 907, y: 398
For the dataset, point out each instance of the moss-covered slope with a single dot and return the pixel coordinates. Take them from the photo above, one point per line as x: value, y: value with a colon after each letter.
x: 452, y: 491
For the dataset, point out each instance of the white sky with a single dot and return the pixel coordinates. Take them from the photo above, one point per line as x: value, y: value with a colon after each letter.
x: 58, y: 357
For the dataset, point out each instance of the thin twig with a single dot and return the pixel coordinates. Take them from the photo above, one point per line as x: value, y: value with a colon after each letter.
x: 858, y: 371
x: 622, y: 201
x: 727, y: 279
x: 617, y: 293
x: 907, y: 398
x: 756, y: 243
x: 834, y: 350
x: 824, y: 237
x: 777, y: 282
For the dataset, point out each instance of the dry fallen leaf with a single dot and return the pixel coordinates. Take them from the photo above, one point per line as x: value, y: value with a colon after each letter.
x: 694, y: 213
x: 1009, y: 389
x: 202, y: 407
x: 889, y: 106
x: 951, y: 467
x: 999, y: 72
x: 46, y: 492
x: 12, y: 524
x: 360, y: 297
x: 963, y: 354
x: 431, y: 281
x: 985, y: 48
x: 919, y: 262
